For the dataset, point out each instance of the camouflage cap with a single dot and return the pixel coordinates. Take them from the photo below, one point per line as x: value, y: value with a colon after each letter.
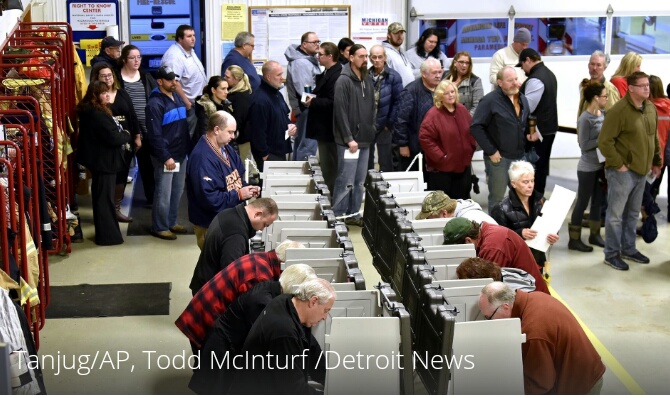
x: 396, y: 27
x: 435, y: 202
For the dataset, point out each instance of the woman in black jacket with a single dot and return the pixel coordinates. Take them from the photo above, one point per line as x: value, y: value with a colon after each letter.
x: 522, y: 206
x: 214, y: 98
x: 239, y: 95
x: 138, y: 83
x: 101, y: 150
x: 124, y: 112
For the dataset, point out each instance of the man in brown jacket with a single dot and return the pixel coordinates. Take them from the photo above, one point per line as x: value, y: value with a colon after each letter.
x: 557, y: 356
x: 629, y: 143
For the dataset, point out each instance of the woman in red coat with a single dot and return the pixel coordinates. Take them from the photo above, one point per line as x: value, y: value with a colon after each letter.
x: 447, y: 143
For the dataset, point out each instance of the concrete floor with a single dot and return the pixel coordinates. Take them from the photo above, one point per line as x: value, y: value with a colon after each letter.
x: 626, y: 313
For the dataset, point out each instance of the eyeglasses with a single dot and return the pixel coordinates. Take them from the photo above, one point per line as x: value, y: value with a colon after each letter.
x: 488, y: 318
x: 249, y: 44
x: 137, y: 58
x: 322, y: 55
x: 106, y: 76
x: 641, y: 85
x: 314, y: 42
x: 463, y: 62
x: 376, y: 57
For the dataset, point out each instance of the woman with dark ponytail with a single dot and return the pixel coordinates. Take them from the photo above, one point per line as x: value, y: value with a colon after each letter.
x: 588, y: 168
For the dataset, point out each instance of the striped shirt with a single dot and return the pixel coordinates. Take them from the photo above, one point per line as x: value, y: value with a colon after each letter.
x: 139, y: 98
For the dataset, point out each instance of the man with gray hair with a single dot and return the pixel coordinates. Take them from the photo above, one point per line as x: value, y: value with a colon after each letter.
x: 241, y: 56
x: 231, y: 329
x: 415, y: 101
x: 388, y: 86
x: 597, y: 65
x: 509, y: 56
x: 214, y: 175
x: 280, y: 346
x: 268, y: 118
x: 215, y: 296
x: 558, y: 357
x: 499, y: 126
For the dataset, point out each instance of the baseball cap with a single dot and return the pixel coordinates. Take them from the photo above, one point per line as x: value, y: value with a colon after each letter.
x: 522, y: 36
x: 396, y: 27
x: 528, y: 53
x: 455, y: 230
x: 434, y: 202
x: 166, y: 72
x: 110, y: 41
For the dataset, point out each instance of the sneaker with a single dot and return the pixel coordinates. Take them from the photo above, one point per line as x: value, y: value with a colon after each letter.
x: 637, y: 257
x: 165, y: 235
x: 358, y: 222
x: 617, y: 263
x: 179, y: 229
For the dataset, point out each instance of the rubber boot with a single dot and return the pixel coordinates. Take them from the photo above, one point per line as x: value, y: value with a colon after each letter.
x: 594, y: 237
x: 118, y: 197
x: 575, y: 243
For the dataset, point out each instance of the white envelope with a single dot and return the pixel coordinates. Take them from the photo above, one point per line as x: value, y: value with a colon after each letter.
x: 176, y: 169
x: 349, y: 155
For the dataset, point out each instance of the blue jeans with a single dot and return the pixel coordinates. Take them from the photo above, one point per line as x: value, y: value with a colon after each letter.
x: 624, y: 198
x: 169, y: 187
x: 498, y: 179
x: 303, y: 146
x: 349, y: 189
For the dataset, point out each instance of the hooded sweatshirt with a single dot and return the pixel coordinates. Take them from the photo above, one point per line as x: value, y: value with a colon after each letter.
x: 397, y: 60
x: 300, y: 73
x: 354, y: 109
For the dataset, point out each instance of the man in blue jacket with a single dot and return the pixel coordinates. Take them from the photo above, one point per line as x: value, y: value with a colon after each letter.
x: 268, y: 118
x: 415, y: 101
x: 499, y: 126
x: 214, y: 179
x: 240, y: 56
x: 167, y: 132
x: 388, y: 86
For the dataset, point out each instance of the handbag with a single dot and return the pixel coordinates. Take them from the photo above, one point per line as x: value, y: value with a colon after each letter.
x: 531, y: 156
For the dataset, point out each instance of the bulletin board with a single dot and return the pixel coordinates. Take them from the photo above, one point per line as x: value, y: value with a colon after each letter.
x: 276, y: 27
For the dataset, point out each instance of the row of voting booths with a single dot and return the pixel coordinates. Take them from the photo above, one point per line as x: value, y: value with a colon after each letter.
x: 362, y: 322
x: 419, y: 320
x: 445, y: 319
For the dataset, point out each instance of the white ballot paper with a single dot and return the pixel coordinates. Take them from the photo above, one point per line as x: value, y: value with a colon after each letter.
x: 553, y: 215
x: 175, y: 170
x: 304, y: 97
x: 349, y: 155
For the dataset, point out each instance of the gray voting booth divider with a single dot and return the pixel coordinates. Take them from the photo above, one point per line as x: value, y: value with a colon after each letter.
x: 409, y: 255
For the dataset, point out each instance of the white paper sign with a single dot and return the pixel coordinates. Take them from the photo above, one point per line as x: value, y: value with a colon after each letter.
x: 554, y: 212
x: 90, y: 17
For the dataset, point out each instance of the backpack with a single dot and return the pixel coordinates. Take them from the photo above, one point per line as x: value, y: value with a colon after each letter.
x: 518, y: 279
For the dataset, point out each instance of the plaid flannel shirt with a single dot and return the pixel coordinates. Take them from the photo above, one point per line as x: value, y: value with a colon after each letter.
x: 215, y: 296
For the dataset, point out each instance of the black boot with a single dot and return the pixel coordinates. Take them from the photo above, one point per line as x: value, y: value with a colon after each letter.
x: 118, y: 197
x: 575, y: 243
x: 594, y: 237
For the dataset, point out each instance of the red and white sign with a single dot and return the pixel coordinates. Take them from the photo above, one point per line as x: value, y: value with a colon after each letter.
x: 92, y: 16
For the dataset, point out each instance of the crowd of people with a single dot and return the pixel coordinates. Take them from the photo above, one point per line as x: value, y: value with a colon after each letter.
x: 190, y: 132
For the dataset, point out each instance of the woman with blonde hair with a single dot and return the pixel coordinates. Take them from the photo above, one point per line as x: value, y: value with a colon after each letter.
x: 630, y: 63
x: 239, y: 93
x: 470, y: 89
x: 447, y: 143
